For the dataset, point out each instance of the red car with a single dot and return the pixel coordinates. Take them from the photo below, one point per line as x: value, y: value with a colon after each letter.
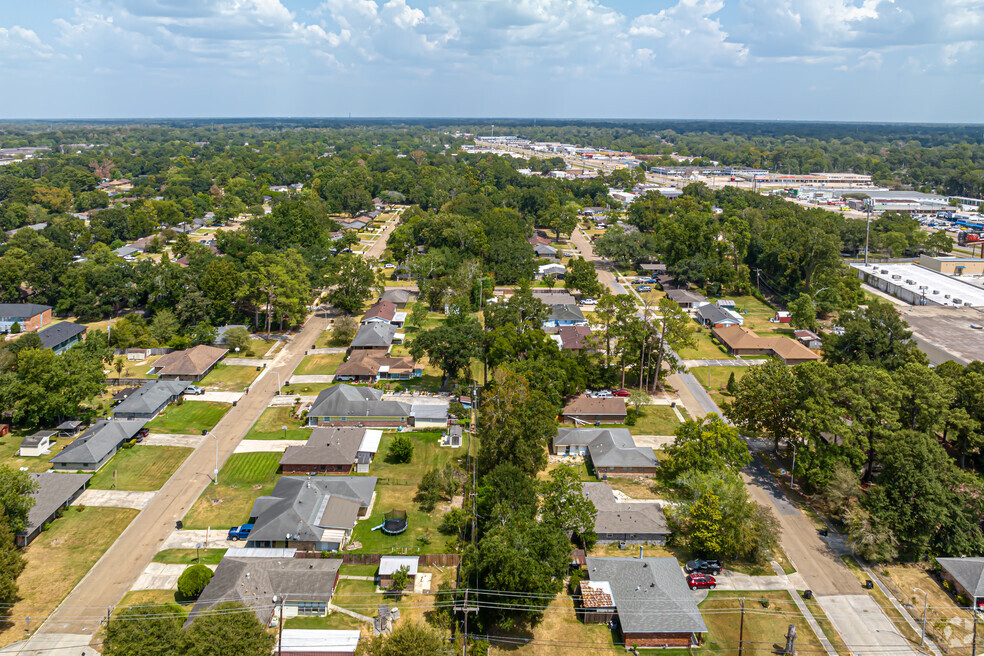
x: 698, y: 580
x: 621, y: 392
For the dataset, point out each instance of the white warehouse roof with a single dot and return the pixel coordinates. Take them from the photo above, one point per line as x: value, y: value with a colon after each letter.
x: 918, y: 285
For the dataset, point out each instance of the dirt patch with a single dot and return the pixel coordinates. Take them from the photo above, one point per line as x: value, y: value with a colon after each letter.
x: 57, y: 541
x: 216, y: 502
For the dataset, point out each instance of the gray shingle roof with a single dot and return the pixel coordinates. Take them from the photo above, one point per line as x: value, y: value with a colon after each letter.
x: 608, y: 447
x: 34, y: 439
x: 683, y: 296
x: 398, y: 296
x: 60, y: 332
x: 98, y: 441
x: 348, y: 401
x: 968, y: 572
x: 565, y: 312
x: 326, y: 446
x: 627, y: 517
x: 54, y: 490
x: 255, y: 581
x: 21, y: 310
x: 715, y: 314
x: 430, y: 410
x: 554, y: 298
x: 150, y: 397
x: 304, y: 507
x: 374, y: 335
x: 650, y: 594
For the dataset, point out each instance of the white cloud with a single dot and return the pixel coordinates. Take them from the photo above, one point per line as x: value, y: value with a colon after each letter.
x: 687, y: 33
x: 19, y: 43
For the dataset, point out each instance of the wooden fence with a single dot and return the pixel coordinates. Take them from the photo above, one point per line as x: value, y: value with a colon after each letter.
x: 443, y: 560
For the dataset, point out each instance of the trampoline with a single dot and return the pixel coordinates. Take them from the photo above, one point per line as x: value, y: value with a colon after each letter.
x: 395, y: 522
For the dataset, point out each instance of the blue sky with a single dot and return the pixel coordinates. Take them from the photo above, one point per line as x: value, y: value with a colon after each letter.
x: 868, y: 60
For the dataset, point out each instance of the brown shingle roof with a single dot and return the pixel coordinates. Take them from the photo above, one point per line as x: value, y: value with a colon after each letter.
x: 190, y: 362
x: 574, y: 338
x: 368, y: 363
x: 382, y: 309
x: 738, y: 338
x: 584, y: 405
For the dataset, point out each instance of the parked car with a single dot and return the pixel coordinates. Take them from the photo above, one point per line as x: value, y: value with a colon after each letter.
x: 389, y: 265
x: 237, y: 533
x: 621, y: 392
x: 644, y: 288
x: 589, y: 301
x: 194, y: 390
x: 603, y: 394
x: 704, y: 566
x: 697, y: 580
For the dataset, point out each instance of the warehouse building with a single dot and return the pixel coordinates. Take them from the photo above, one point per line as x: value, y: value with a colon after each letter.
x: 918, y: 285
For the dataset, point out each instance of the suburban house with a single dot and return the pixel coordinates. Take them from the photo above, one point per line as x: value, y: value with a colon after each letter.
x: 809, y: 339
x: 189, y: 365
x: 686, y: 299
x: 967, y: 576
x: 149, y: 400
x: 399, y: 297
x: 543, y: 250
x: 342, y: 405
x: 62, y: 336
x: 653, y: 605
x: 586, y: 410
x: 55, y: 492
x: 552, y: 269
x: 37, y: 444
x: 374, y: 336
x: 93, y: 448
x: 575, y: 338
x: 384, y: 312
x: 613, y: 451
x: 29, y: 316
x: 718, y: 317
x: 742, y: 341
x: 370, y: 366
x: 332, y: 451
x: 306, y: 585
x: 312, y: 514
x: 551, y: 297
x: 565, y: 315
x: 430, y: 415
x: 388, y: 566
x: 652, y: 268
x: 634, y: 522
x: 318, y: 642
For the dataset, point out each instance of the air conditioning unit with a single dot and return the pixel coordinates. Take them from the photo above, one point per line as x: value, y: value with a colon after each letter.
x: 957, y: 301
x: 910, y: 282
x: 946, y: 296
x: 884, y: 270
x: 923, y: 286
x: 896, y: 276
x: 936, y: 291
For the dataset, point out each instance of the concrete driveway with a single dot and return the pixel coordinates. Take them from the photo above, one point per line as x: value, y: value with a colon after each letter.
x: 155, y: 439
x: 190, y: 539
x: 266, y: 446
x: 863, y: 626
x: 218, y: 397
x: 114, y: 499
x: 162, y: 576
x: 62, y: 644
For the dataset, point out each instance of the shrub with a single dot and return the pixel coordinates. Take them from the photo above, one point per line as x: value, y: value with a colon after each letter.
x: 451, y: 521
x: 193, y: 580
x: 631, y: 417
x: 15, y: 328
x: 576, y: 577
x: 400, y: 450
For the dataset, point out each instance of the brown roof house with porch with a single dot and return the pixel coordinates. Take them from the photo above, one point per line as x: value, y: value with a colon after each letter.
x: 742, y: 341
x: 586, y: 410
x: 189, y: 365
x: 336, y: 451
x: 653, y: 606
x: 370, y: 366
x: 384, y: 312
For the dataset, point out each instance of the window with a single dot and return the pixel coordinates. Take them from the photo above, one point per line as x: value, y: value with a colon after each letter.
x: 309, y: 608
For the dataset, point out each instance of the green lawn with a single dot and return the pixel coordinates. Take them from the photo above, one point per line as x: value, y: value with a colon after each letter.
x: 657, y: 420
x: 10, y: 444
x: 395, y: 490
x: 306, y: 389
x: 229, y: 378
x: 270, y: 426
x: 142, y: 468
x: 189, y: 418
x: 319, y: 365
x: 706, y: 349
x: 333, y: 622
x: 145, y: 597
x: 257, y: 349
x: 58, y: 559
x: 189, y: 556
x: 360, y: 596
x: 718, y: 380
x: 767, y: 618
x: 244, y: 477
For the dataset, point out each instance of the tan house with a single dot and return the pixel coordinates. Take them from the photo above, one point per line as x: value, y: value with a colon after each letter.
x: 189, y: 365
x: 370, y: 366
x: 742, y: 341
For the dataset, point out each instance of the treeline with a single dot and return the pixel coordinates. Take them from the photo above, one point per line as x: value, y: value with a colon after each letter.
x: 887, y: 441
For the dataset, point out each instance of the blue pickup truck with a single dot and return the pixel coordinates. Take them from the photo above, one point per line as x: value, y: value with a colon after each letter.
x: 239, y: 532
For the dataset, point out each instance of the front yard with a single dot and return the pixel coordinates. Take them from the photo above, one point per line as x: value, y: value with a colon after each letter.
x: 706, y: 349
x: 322, y: 364
x: 270, y: 426
x: 142, y: 468
x: 559, y: 631
x: 657, y: 420
x: 715, y: 380
x: 229, y: 378
x: 189, y: 417
x: 244, y: 478
x: 58, y: 559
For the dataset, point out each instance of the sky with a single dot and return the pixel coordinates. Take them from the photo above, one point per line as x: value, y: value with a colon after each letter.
x: 832, y: 60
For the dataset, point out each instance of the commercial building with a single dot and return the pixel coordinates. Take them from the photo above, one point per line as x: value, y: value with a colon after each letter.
x: 953, y: 266
x: 28, y: 316
x: 919, y: 285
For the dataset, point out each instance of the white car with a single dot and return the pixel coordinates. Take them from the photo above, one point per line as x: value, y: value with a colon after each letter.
x: 389, y: 265
x: 589, y: 301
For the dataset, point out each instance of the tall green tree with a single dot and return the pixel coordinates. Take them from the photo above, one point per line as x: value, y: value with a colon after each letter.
x: 875, y: 335
x: 708, y: 444
x: 514, y: 424
x: 581, y: 276
x: 228, y: 629
x: 145, y: 630
x: 351, y: 281
x: 451, y: 346
x: 765, y: 401
x: 565, y: 504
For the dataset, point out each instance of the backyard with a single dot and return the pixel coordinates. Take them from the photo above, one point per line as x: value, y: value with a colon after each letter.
x: 559, y: 631
x: 244, y: 477
x: 395, y: 490
x: 145, y: 597
x: 189, y: 417
x: 58, y: 559
x: 657, y: 420
x: 229, y: 378
x: 141, y: 468
x: 322, y: 364
x: 10, y: 444
x: 270, y: 426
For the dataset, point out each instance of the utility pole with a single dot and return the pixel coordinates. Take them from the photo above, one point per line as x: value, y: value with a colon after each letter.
x: 867, y: 231
x: 973, y: 649
x: 741, y: 628
x: 280, y: 629
x: 758, y: 280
